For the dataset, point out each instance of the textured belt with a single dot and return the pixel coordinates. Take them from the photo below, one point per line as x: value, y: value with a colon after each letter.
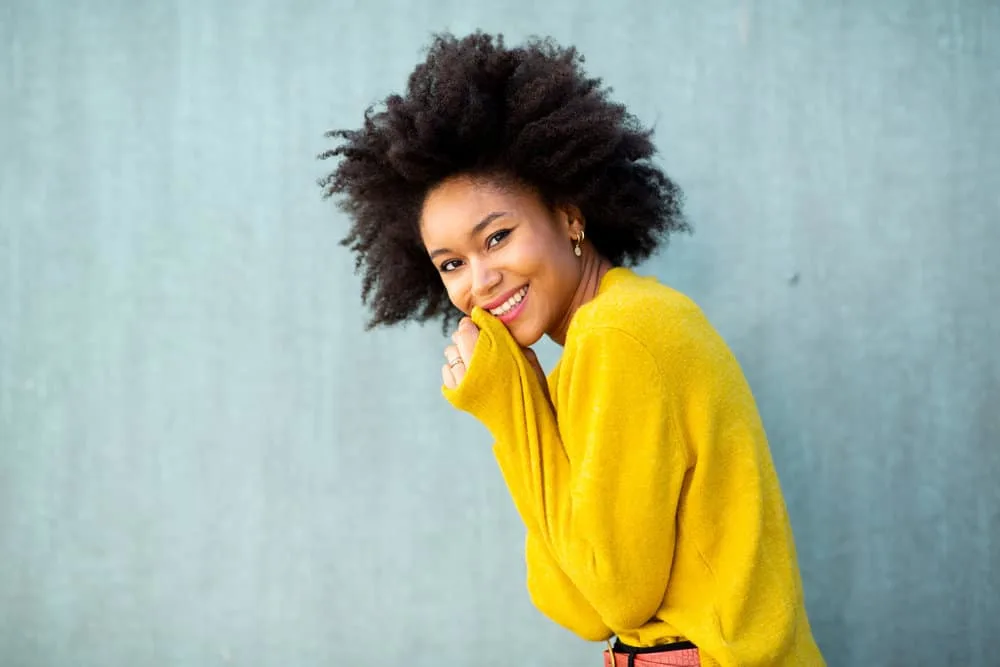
x: 676, y: 654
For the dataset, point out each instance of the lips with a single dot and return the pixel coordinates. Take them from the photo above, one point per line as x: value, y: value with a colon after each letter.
x: 496, y: 303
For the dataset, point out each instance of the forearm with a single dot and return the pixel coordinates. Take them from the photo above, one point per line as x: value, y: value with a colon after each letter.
x: 598, y: 486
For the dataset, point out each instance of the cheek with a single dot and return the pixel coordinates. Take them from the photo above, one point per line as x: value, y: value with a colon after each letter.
x: 551, y: 267
x: 533, y: 258
x: 560, y: 279
x: 458, y: 294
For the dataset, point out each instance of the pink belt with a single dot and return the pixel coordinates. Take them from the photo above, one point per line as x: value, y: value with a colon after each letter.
x: 683, y: 654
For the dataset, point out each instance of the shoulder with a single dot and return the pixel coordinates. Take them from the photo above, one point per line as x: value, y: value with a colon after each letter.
x: 630, y: 306
x: 637, y: 320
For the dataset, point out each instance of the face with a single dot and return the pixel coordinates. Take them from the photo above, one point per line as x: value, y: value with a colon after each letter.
x: 501, y: 248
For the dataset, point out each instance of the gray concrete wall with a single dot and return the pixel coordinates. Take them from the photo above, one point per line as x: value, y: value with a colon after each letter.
x: 205, y: 460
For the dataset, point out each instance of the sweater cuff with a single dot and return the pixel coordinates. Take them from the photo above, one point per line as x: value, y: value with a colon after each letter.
x: 489, y: 375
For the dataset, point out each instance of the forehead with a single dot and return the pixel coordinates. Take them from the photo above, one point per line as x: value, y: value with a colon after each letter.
x: 462, y: 193
x: 457, y: 204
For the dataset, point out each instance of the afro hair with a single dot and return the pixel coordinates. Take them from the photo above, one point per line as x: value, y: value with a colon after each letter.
x: 528, y: 115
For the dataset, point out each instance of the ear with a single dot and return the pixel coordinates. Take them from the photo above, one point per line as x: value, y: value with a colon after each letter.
x: 571, y: 219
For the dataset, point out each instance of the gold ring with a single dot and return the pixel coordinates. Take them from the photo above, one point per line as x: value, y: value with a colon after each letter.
x: 455, y: 362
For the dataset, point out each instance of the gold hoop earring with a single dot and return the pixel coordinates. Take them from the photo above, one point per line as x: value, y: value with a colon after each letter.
x: 576, y: 248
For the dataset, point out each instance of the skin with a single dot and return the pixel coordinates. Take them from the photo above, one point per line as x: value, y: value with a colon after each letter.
x: 488, y: 239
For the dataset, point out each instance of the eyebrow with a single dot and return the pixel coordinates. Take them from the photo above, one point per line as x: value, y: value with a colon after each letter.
x: 480, y: 226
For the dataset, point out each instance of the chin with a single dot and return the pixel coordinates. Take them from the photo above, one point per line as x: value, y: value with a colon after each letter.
x: 525, y: 336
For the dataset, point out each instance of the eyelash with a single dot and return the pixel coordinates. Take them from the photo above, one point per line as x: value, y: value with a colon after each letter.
x: 494, y: 239
x: 503, y: 233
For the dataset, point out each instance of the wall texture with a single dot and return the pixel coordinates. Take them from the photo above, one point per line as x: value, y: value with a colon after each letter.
x: 205, y: 460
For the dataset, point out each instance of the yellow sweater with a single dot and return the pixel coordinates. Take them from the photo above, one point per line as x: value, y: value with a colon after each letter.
x: 652, y: 507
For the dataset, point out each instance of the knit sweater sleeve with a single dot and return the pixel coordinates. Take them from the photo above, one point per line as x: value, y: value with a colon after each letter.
x: 601, y: 483
x: 556, y: 596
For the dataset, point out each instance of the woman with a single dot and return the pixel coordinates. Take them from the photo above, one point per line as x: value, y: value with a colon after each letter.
x: 506, y: 186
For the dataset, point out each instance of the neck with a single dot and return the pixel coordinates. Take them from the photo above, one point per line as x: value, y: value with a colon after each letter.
x: 592, y: 271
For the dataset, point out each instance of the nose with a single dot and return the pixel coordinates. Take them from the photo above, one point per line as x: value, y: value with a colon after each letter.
x: 485, y: 279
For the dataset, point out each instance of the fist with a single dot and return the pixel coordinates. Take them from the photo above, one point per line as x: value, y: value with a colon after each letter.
x: 459, y: 353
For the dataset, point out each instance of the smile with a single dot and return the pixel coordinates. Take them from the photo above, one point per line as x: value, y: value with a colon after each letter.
x: 509, y: 308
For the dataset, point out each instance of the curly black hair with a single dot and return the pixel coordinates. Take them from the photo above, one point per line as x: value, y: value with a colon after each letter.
x: 528, y: 115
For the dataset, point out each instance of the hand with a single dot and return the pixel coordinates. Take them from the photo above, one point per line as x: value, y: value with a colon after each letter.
x: 459, y: 353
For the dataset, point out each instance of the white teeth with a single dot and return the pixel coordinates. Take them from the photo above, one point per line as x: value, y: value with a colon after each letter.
x: 511, y: 302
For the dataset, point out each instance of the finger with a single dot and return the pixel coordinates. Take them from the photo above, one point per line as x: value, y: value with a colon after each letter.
x: 458, y: 372
x: 465, y: 341
x: 464, y: 325
x: 447, y: 377
x: 456, y: 364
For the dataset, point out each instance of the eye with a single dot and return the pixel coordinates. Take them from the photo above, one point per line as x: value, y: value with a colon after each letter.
x: 497, y: 237
x: 450, y: 265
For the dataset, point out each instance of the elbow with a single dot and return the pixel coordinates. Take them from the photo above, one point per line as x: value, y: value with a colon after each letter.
x: 593, y: 633
x: 628, y: 612
x: 625, y: 600
x: 585, y: 623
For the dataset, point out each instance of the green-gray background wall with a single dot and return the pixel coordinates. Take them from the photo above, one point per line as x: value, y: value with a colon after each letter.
x: 205, y: 460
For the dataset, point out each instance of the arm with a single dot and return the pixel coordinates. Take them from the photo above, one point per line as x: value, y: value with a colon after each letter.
x: 556, y: 596
x: 550, y: 589
x: 602, y: 483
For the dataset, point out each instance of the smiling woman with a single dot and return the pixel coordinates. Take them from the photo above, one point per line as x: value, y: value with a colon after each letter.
x: 505, y: 188
x: 517, y: 261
